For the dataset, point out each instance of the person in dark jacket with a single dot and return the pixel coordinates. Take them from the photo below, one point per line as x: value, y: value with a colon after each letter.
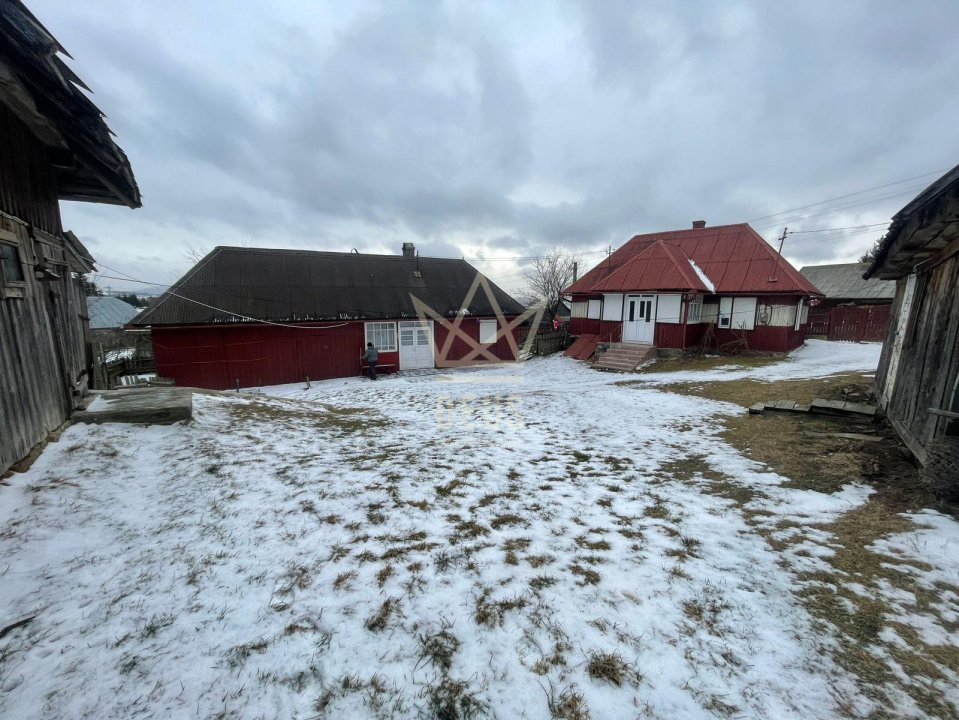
x: 371, y: 356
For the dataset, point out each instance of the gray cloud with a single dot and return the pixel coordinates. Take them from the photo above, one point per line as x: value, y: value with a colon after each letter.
x: 481, y: 130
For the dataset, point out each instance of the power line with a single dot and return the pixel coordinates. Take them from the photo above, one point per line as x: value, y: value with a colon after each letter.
x: 848, y: 195
x: 848, y: 227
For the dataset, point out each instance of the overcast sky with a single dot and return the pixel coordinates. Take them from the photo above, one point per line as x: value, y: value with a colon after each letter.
x: 504, y: 129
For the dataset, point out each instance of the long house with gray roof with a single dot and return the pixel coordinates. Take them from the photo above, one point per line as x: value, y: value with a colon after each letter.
x: 245, y: 317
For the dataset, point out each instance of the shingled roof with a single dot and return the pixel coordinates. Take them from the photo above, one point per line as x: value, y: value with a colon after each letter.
x: 307, y: 285
x: 45, y: 94
x: 734, y: 258
x: 845, y: 282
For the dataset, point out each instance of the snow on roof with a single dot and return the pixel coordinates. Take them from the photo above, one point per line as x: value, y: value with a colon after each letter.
x: 735, y: 257
x: 702, y: 276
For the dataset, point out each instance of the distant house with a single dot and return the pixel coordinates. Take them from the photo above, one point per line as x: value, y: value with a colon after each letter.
x: 852, y: 308
x: 669, y: 289
x: 54, y: 146
x: 918, y: 378
x: 109, y: 313
x: 246, y: 316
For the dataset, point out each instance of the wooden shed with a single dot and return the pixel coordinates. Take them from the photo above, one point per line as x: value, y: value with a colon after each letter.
x: 54, y: 146
x: 918, y: 378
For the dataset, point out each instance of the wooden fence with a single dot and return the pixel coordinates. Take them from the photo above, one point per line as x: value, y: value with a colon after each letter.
x: 867, y: 323
x: 549, y: 342
x: 862, y: 323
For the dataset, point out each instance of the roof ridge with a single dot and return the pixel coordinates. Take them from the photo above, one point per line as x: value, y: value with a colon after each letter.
x: 338, y: 253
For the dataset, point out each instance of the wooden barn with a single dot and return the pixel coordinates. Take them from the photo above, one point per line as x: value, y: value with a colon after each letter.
x: 721, y: 286
x: 246, y: 317
x: 918, y: 378
x: 54, y: 146
x: 852, y: 308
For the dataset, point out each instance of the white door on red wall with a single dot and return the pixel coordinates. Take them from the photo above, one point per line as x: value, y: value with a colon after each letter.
x: 639, y: 323
x: 416, y: 345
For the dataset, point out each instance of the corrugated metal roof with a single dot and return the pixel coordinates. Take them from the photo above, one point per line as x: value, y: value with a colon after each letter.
x: 306, y: 285
x: 845, y: 282
x: 109, y: 312
x: 661, y: 266
x: 734, y: 258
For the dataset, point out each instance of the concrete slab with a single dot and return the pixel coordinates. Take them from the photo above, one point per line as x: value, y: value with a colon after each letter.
x: 146, y: 405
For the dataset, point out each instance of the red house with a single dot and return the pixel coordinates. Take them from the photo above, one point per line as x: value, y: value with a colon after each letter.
x: 668, y: 289
x: 245, y: 317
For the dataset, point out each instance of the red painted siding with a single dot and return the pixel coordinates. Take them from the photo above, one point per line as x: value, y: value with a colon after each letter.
x: 220, y: 356
x: 459, y: 348
x: 668, y: 335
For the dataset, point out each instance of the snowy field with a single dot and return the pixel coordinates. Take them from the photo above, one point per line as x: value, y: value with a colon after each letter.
x: 505, y: 542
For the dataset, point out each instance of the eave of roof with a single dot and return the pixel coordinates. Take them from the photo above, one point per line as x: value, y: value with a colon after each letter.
x: 922, y: 229
x: 45, y: 94
x: 734, y: 258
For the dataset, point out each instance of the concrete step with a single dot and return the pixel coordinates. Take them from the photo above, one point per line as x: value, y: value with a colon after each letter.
x: 625, y: 357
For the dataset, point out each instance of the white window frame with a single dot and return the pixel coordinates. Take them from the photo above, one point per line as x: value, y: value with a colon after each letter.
x: 669, y: 308
x: 798, y: 320
x: 377, y: 328
x: 487, y: 332
x: 612, y: 307
x: 694, y: 309
x: 593, y: 308
x: 744, y: 313
x: 725, y: 315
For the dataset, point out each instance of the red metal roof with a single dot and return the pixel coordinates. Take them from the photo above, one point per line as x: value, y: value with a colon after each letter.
x: 735, y: 258
x: 660, y: 266
x: 582, y: 347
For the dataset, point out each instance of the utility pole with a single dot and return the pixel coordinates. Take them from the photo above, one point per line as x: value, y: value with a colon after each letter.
x: 782, y: 239
x: 575, y: 271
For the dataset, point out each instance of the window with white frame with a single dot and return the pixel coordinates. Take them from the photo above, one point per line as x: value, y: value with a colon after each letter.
x: 487, y: 332
x: 382, y: 335
x: 695, y: 311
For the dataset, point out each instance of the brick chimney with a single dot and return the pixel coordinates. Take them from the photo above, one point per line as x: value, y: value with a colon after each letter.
x: 699, y: 224
x: 409, y: 250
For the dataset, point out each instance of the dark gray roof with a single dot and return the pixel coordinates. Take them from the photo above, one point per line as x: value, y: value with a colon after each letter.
x: 306, y: 285
x: 109, y: 312
x: 42, y: 90
x: 921, y: 230
x: 845, y: 282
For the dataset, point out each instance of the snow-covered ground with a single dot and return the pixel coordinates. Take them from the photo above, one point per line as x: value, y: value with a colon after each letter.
x: 511, y: 541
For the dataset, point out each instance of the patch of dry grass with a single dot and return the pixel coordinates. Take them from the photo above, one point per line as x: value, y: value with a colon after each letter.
x: 611, y: 668
x: 680, y: 363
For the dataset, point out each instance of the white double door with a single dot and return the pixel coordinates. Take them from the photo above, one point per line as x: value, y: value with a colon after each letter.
x: 639, y: 319
x: 416, y: 345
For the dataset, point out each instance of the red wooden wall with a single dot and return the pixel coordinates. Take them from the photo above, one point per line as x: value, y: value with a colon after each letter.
x: 866, y: 323
x: 220, y: 356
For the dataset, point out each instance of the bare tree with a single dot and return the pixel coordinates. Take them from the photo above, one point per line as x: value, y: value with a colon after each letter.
x: 195, y: 254
x: 548, y: 276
